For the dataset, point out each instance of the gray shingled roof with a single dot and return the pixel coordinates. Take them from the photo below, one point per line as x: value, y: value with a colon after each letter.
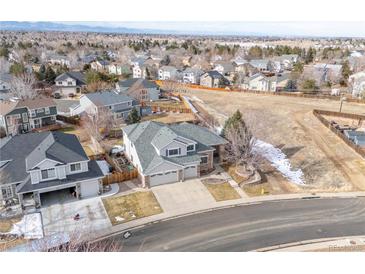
x: 107, y: 98
x: 77, y: 75
x: 143, y: 82
x: 148, y: 135
x: 26, y: 150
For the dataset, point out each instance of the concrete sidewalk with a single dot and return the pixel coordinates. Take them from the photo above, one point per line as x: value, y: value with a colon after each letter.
x: 342, y: 244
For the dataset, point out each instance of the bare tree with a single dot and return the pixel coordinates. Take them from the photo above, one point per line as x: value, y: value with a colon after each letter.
x: 173, y: 86
x: 21, y: 86
x: 99, y: 124
x: 241, y: 144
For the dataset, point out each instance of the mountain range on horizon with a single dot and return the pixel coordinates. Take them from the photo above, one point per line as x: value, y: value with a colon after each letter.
x: 288, y: 29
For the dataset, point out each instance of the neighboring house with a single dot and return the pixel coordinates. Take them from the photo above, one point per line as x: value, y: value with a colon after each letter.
x: 87, y: 59
x: 168, y: 73
x: 224, y: 68
x: 259, y: 82
x: 213, y: 79
x: 238, y: 61
x: 192, y: 75
x: 263, y: 65
x: 140, y: 89
x: 59, y: 60
x: 170, y: 153
x: 357, y: 53
x: 357, y: 83
x: 24, y: 115
x: 118, y: 69
x: 5, y: 85
x: 119, y: 104
x: 139, y: 71
x: 100, y: 65
x: 36, y: 164
x: 67, y: 107
x: 71, y: 82
x: 285, y: 62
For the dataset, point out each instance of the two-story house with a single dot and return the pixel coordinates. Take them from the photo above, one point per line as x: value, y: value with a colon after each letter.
x: 70, y: 83
x: 192, y: 75
x: 119, y: 69
x: 24, y: 115
x: 118, y: 104
x: 213, y: 79
x: 141, y: 90
x: 171, y: 153
x: 100, y: 65
x: 168, y: 73
x: 36, y: 164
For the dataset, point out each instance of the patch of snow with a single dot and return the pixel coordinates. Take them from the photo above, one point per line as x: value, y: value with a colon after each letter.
x: 218, y: 129
x: 30, y: 226
x: 119, y: 219
x: 279, y: 160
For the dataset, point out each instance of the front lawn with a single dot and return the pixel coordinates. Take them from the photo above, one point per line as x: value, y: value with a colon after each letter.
x: 221, y: 191
x: 7, y: 224
x: 257, y: 189
x: 137, y: 205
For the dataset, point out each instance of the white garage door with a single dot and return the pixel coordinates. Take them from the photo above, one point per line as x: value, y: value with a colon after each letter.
x: 190, y: 172
x: 163, y: 178
x: 89, y: 189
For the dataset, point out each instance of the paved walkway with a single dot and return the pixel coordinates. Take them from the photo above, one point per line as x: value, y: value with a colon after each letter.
x: 343, y: 244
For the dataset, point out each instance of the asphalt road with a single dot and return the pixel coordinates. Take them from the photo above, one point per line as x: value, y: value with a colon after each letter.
x: 251, y: 227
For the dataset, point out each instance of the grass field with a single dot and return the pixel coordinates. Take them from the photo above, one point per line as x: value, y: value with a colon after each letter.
x: 288, y: 123
x: 137, y: 205
x: 222, y: 191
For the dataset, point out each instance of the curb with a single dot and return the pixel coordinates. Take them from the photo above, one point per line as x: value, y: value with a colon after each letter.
x: 304, y: 243
x: 217, y: 208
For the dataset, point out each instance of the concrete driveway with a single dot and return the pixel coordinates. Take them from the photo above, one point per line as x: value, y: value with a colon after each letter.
x: 58, y: 217
x: 184, y: 196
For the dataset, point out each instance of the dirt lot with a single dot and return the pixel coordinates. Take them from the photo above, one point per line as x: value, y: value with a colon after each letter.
x: 288, y: 123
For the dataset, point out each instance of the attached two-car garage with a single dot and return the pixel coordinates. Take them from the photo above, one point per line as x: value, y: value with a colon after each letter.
x: 173, y: 176
x: 163, y: 178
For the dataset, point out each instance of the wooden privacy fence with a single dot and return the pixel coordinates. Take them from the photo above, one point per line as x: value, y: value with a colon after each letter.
x: 339, y: 133
x: 157, y: 108
x: 119, y: 177
x: 302, y: 94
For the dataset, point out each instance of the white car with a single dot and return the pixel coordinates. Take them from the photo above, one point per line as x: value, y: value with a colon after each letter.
x: 117, y: 149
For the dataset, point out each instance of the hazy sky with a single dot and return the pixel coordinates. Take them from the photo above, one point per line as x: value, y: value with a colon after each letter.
x: 353, y: 29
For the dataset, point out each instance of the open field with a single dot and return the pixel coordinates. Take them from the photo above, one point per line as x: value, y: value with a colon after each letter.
x: 288, y: 123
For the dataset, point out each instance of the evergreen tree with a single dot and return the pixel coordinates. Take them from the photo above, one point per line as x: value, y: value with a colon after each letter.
x: 133, y: 116
x: 291, y: 85
x: 232, y: 121
x: 50, y: 75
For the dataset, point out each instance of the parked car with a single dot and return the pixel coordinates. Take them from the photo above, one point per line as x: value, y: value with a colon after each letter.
x: 117, y: 149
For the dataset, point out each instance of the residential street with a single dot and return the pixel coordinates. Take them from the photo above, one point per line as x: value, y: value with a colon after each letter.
x: 251, y: 227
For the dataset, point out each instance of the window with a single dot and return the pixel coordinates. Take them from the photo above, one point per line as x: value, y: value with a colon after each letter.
x: 32, y: 113
x: 173, y: 152
x: 25, y: 117
x: 75, y: 167
x: 204, y: 159
x: 40, y: 110
x: 48, y: 173
x: 191, y: 148
x: 47, y: 111
x: 60, y: 82
x: 69, y: 83
x: 7, y: 192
